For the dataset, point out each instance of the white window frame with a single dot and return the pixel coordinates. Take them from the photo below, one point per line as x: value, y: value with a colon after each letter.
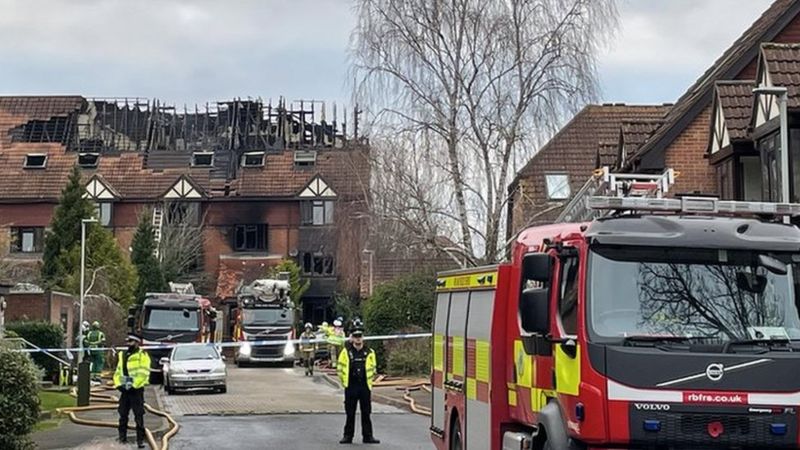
x: 35, y: 155
x: 550, y: 188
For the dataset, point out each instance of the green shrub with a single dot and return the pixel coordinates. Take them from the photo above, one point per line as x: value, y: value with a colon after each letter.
x: 409, y: 356
x: 19, y: 403
x: 398, y: 305
x: 44, y: 335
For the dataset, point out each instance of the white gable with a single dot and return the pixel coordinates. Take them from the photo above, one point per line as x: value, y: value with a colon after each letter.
x: 317, y: 188
x: 182, y: 189
x: 97, y: 190
x: 767, y: 106
x: 721, y: 138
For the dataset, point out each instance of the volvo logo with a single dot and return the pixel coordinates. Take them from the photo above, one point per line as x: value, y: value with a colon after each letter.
x: 652, y: 406
x: 715, y: 371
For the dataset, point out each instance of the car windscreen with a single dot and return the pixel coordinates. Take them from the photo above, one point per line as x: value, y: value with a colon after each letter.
x: 194, y: 352
x: 171, y: 319
x: 708, y: 295
x: 266, y: 316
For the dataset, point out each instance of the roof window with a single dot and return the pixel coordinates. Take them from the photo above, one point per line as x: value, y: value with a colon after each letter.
x: 88, y: 159
x: 253, y: 159
x: 202, y: 159
x: 557, y: 186
x: 305, y: 158
x: 35, y: 161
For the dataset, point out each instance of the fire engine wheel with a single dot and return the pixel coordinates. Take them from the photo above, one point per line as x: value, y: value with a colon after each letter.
x: 571, y: 445
x: 457, y: 440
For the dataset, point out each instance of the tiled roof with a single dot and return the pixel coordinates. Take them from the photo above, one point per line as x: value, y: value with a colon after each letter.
x: 736, y: 100
x: 783, y: 64
x: 722, y: 68
x: 607, y: 153
x: 345, y: 170
x: 574, y: 147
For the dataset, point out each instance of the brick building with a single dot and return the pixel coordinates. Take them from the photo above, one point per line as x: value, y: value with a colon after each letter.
x: 718, y: 135
x: 260, y: 183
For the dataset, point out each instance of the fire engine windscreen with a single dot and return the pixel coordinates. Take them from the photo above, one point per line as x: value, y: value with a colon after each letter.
x: 706, y: 295
x: 266, y: 316
x: 171, y: 319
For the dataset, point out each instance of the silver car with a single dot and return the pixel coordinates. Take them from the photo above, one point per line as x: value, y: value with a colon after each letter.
x: 195, y: 366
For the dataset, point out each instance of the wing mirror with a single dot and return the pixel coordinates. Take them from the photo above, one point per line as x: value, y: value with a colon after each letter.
x: 164, y: 361
x: 534, y: 311
x: 537, y: 267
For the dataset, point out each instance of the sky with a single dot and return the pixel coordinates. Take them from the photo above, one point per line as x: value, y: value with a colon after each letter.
x: 194, y: 51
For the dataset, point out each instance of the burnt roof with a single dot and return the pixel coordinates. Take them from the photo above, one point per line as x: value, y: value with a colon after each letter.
x: 736, y: 100
x: 731, y: 63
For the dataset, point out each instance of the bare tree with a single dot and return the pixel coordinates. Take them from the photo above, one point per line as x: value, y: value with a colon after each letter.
x: 181, y: 250
x: 476, y: 83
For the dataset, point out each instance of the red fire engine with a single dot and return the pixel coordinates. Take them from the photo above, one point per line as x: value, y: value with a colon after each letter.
x: 670, y: 323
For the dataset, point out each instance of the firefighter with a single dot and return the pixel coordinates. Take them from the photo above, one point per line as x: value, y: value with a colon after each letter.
x: 308, y: 348
x: 336, y: 340
x: 95, y: 339
x: 357, y: 368
x: 130, y: 378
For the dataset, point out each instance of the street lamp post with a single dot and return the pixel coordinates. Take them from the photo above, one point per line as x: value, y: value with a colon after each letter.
x: 83, y: 280
x: 782, y: 94
x: 371, y: 258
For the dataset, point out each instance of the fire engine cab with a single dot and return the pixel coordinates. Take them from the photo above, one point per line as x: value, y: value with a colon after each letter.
x: 652, y: 323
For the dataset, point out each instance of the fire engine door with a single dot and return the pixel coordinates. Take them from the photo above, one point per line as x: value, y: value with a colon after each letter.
x: 478, y: 374
x: 567, y: 355
x: 439, y: 359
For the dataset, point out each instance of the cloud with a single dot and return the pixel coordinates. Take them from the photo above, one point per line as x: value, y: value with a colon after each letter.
x: 181, y: 50
x: 664, y: 45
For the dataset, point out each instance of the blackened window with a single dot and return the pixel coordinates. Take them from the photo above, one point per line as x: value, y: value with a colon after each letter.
x: 317, y: 212
x: 769, y: 149
x: 318, y: 264
x: 88, y: 160
x: 253, y: 159
x: 250, y: 238
x: 27, y: 239
x: 35, y: 161
x: 568, y: 303
x: 186, y: 213
x: 202, y: 159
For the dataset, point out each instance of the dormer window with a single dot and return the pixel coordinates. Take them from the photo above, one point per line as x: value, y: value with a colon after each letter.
x: 35, y: 161
x: 88, y: 160
x: 253, y: 159
x: 202, y: 159
x: 305, y: 158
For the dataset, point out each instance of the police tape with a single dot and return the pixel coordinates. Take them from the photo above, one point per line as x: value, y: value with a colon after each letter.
x: 258, y: 343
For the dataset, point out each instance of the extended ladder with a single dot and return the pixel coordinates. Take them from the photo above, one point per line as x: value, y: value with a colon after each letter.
x: 158, y: 223
x: 607, y: 184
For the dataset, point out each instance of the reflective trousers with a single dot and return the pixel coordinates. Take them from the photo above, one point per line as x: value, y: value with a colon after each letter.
x: 132, y: 399
x: 358, y: 396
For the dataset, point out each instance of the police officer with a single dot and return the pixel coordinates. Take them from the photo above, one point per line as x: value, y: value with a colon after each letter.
x: 95, y: 339
x: 356, y: 369
x: 130, y: 378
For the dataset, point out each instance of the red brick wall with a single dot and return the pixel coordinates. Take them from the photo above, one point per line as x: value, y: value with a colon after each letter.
x: 31, y: 214
x: 687, y: 155
x: 790, y: 34
x: 26, y: 307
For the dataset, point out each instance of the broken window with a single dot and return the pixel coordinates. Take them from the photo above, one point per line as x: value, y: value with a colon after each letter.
x: 186, y: 213
x: 253, y: 159
x: 88, y: 159
x: 35, y: 161
x: 317, y: 212
x: 318, y: 264
x: 202, y: 159
x: 249, y: 238
x: 27, y: 239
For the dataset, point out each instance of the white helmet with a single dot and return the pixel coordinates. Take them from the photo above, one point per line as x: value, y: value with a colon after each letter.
x: 337, y: 323
x: 309, y: 326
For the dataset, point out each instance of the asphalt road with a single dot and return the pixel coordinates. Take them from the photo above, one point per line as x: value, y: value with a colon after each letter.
x: 401, y: 431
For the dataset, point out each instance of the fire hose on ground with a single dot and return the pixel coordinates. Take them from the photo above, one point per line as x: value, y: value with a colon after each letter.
x: 97, y: 395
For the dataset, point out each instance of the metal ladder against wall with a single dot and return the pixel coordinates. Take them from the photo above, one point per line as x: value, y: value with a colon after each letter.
x: 158, y: 223
x: 604, y: 183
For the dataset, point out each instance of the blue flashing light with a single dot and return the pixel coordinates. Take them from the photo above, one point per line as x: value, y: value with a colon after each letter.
x: 652, y: 425
x: 580, y: 412
x: 778, y: 429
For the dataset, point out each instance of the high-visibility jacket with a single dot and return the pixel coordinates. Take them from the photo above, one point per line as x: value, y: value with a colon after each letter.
x: 336, y: 337
x: 95, y: 338
x: 138, y: 369
x: 343, y: 366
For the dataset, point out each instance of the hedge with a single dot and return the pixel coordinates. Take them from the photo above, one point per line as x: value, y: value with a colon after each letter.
x: 19, y: 402
x: 44, y: 335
